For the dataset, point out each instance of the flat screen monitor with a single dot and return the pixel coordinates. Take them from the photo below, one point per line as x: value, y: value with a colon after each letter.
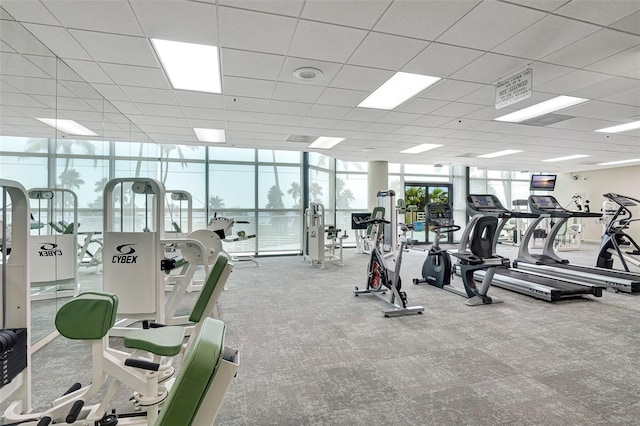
x: 357, y: 217
x: 542, y: 183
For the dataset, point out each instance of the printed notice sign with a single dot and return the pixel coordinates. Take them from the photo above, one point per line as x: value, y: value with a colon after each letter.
x: 514, y: 89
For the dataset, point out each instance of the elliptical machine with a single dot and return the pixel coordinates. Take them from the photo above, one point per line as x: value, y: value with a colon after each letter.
x: 437, y: 267
x: 615, y: 236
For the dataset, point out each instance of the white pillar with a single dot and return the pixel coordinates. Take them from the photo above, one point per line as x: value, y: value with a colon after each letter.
x: 378, y: 180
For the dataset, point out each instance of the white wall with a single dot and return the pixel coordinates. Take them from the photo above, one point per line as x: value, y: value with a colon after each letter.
x: 621, y: 180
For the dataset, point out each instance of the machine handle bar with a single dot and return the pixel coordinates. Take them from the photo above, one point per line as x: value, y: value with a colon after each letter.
x: 370, y: 221
x: 445, y: 228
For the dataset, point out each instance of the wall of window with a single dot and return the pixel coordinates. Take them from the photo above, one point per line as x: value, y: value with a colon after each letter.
x: 507, y: 186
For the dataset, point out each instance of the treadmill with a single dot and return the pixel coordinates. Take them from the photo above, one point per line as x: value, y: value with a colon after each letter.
x: 539, y: 285
x: 550, y: 263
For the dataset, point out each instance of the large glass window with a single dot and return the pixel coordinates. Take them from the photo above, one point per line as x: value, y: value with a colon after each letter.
x: 231, y: 186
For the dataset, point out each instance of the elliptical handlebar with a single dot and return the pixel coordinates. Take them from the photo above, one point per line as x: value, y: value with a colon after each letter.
x: 624, y: 202
x: 444, y: 229
x: 370, y: 221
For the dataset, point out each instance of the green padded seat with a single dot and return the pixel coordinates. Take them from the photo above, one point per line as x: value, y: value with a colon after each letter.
x: 207, y: 290
x: 163, y: 341
x: 88, y: 316
x: 198, y: 371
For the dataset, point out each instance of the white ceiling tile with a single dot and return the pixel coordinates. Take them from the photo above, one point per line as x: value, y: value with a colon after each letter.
x: 167, y: 130
x: 572, y: 82
x: 450, y: 90
x: 30, y: 11
x: 618, y: 64
x: 593, y: 48
x: 410, y: 130
x: 395, y: 117
x: 15, y: 35
x: 277, y: 129
x: 603, y: 13
x: 365, y: 114
x: 127, y: 107
x: 189, y: 22
x: 548, y: 5
x: 260, y: 32
x: 329, y: 70
x: 4, y: 47
x: 59, y: 41
x: 631, y: 23
x: 244, y: 127
x: 490, y: 68
x: 116, y: 48
x: 296, y: 92
x: 203, y: 113
x: 360, y: 78
x: 113, y: 16
x: 151, y: 96
x: 198, y: 99
x: 90, y: 71
x: 325, y: 42
x: 361, y: 14
x: 241, y: 63
x: 82, y: 90
x: 320, y: 123
x: 422, y: 19
x: 160, y: 110
x: 421, y: 105
x: 543, y: 72
x: 430, y: 121
x: 545, y: 36
x: 21, y: 100
x: 342, y: 97
x: 279, y: 7
x: 111, y: 92
x: 247, y: 87
x: 485, y: 27
x: 250, y: 117
x: 33, y: 86
x: 628, y: 97
x: 603, y: 110
x: 282, y: 119
x: 456, y: 109
x: 126, y: 75
x: 382, y: 128
x: 14, y: 64
x: 348, y: 125
x: 386, y: 51
x: 607, y: 88
x: 583, y: 124
x: 288, y: 108
x: 440, y: 60
x: 245, y: 104
x: 326, y: 111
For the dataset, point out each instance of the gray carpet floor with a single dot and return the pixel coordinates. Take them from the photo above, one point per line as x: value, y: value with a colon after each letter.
x: 313, y: 354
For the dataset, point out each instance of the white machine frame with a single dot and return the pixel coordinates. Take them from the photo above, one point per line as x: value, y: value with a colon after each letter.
x: 321, y: 243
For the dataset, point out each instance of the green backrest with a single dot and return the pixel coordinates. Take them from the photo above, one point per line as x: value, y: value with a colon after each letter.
x: 196, y: 375
x: 377, y: 211
x: 88, y: 316
x: 213, y: 280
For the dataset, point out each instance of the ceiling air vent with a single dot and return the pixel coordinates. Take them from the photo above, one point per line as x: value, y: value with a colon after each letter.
x: 301, y: 138
x: 547, y: 119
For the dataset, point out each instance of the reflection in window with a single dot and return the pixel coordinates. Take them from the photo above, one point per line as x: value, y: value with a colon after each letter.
x: 231, y: 186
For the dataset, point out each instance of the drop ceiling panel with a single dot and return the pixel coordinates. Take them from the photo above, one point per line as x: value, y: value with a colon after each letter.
x: 14, y: 64
x: 629, y: 97
x: 325, y: 42
x: 206, y: 123
x: 33, y: 86
x: 126, y: 75
x: 4, y: 47
x: 422, y: 19
x: 151, y: 96
x: 603, y: 110
x: 456, y: 110
x: 189, y: 22
x: 543, y: 72
x: 360, y: 78
x: 618, y: 64
x: 360, y: 14
x: 399, y: 118
x: 421, y: 105
x: 296, y: 92
x: 30, y: 11
x: 203, y: 113
x: 593, y: 48
x: 573, y: 81
x: 160, y: 110
x: 288, y: 108
x: 21, y: 100
x: 198, y: 99
x: 241, y: 63
x: 90, y: 71
x: 245, y: 104
x: 429, y: 121
x: 16, y: 36
x: 118, y: 49
x: 111, y: 92
x: 604, y: 13
x: 485, y: 27
x: 631, y: 23
x: 126, y: 107
x: 606, y: 88
x: 326, y: 111
x: 545, y: 37
x: 248, y: 87
x: 279, y: 7
x: 113, y: 16
x: 582, y: 124
x: 386, y: 51
x: 450, y: 90
x: 342, y: 97
x: 489, y: 68
x: 348, y: 125
x: 254, y: 31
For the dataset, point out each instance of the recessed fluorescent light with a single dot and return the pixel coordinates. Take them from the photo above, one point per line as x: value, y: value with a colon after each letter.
x: 400, y: 87
x: 542, y: 108
x: 210, y: 135
x: 419, y: 148
x: 69, y: 127
x: 621, y: 127
x: 190, y: 66
x: 499, y: 153
x: 568, y: 157
x: 611, y: 163
x: 325, y: 142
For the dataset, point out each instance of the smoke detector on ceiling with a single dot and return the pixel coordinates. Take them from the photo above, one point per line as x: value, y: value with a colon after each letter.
x: 307, y: 74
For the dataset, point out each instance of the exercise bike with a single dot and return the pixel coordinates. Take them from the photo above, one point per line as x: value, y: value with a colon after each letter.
x: 381, y: 278
x: 615, y: 236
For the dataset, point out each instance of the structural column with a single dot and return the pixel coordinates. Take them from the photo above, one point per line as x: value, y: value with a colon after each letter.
x: 378, y: 180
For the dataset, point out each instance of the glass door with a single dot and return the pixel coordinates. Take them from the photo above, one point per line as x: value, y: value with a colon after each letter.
x: 416, y: 196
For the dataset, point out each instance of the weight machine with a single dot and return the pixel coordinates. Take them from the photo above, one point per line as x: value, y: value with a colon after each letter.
x: 321, y: 243
x: 223, y: 228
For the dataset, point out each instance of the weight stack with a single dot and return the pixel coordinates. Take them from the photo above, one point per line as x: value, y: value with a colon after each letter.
x: 13, y: 353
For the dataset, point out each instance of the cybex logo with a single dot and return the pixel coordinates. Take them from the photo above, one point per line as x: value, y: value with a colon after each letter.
x: 125, y: 254
x: 49, y: 249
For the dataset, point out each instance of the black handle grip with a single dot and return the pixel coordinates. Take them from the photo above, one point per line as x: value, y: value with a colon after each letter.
x: 45, y: 421
x: 74, y: 387
x: 139, y: 363
x: 74, y: 412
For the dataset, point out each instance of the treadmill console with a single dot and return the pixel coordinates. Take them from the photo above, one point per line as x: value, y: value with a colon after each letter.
x: 484, y: 202
x: 544, y: 202
x: 439, y: 214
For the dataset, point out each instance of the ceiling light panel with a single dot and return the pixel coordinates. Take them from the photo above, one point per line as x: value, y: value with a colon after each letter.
x: 69, y: 127
x: 420, y: 148
x: 190, y: 66
x: 551, y: 105
x: 621, y: 127
x: 611, y: 163
x: 210, y: 135
x: 500, y: 153
x: 568, y: 157
x: 325, y: 142
x: 395, y: 91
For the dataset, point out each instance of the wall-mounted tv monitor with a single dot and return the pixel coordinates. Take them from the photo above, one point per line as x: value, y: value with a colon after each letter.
x: 542, y: 183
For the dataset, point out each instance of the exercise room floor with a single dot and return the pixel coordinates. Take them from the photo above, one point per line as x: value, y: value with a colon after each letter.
x: 313, y: 354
